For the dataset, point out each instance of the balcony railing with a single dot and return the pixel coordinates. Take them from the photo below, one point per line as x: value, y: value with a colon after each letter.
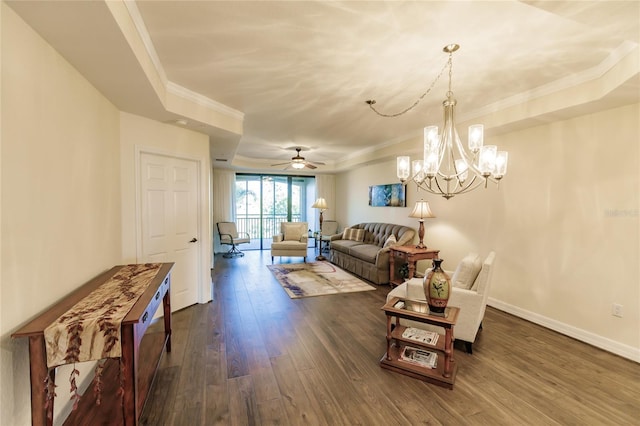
x: 270, y: 225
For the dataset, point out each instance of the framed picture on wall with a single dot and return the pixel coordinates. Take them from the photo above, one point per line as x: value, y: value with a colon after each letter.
x: 391, y: 195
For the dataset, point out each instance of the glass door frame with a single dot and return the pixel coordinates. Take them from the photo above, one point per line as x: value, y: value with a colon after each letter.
x: 268, y: 222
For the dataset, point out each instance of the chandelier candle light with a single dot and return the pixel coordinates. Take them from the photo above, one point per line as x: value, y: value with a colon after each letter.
x: 320, y: 204
x: 421, y: 211
x: 447, y: 169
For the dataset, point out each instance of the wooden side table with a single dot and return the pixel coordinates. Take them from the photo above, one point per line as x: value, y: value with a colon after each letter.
x: 410, y: 254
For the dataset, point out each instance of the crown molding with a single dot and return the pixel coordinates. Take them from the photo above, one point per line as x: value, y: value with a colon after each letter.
x: 615, y: 57
x: 169, y: 86
x: 197, y: 98
x: 141, y: 28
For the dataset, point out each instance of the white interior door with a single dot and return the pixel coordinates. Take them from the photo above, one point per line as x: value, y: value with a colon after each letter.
x: 169, y: 221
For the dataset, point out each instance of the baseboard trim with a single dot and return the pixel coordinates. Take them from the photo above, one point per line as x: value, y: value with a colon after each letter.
x: 601, y: 342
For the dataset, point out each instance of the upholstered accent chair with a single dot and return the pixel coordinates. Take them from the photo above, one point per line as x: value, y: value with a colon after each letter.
x: 470, y: 284
x: 291, y: 241
x: 329, y: 232
x: 229, y: 235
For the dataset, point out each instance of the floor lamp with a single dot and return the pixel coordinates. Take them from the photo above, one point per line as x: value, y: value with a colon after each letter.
x: 320, y: 204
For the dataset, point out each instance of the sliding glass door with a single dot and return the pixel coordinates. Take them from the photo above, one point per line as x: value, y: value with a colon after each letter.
x: 264, y: 201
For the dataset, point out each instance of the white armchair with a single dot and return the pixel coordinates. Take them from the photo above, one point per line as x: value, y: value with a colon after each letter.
x: 472, y: 302
x: 291, y: 241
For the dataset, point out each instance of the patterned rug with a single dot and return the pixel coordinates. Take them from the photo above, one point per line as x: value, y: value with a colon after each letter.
x: 316, y: 279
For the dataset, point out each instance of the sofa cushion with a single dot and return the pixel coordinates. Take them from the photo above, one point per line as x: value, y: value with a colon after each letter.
x: 467, y: 271
x: 344, y: 246
x: 353, y: 234
x: 366, y: 252
x: 391, y: 241
x: 292, y: 232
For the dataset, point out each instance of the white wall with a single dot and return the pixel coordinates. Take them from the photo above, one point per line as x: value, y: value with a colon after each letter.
x: 564, y: 224
x: 60, y: 211
x: 141, y: 134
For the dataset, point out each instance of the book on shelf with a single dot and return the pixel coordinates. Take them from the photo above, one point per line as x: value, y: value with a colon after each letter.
x: 421, y: 357
x: 419, y: 335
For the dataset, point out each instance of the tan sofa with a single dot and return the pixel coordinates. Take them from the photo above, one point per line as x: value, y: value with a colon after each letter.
x: 367, y: 258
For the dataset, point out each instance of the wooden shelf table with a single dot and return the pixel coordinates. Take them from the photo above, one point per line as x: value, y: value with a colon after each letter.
x: 445, y: 372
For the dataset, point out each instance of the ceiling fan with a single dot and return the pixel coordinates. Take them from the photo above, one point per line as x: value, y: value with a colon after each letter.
x: 298, y: 162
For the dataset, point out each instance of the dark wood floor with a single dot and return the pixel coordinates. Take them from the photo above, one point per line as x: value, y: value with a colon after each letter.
x: 254, y: 356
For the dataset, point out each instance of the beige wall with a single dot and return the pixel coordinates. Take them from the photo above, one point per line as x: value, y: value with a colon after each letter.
x: 60, y: 192
x: 564, y: 224
x: 68, y: 201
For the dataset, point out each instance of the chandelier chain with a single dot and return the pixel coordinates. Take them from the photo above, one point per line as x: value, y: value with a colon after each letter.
x: 371, y: 102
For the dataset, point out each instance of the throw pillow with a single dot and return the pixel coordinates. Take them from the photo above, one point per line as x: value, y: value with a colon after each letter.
x: 467, y: 271
x: 391, y: 241
x: 353, y: 234
x: 346, y: 234
x: 292, y: 232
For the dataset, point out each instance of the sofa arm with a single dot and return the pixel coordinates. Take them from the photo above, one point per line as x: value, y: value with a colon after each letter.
x: 406, y: 239
x: 382, y: 258
x: 278, y: 238
x: 304, y: 238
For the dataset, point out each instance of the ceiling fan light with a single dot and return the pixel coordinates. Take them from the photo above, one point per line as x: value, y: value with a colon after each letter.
x: 296, y: 165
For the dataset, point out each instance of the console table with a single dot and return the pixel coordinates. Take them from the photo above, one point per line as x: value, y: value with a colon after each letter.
x: 411, y: 255
x: 140, y: 356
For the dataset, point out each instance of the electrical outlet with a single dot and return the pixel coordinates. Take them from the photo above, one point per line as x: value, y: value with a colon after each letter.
x: 616, y: 310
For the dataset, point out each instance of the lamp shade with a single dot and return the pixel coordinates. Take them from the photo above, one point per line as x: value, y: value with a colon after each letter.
x: 320, y: 203
x: 422, y: 210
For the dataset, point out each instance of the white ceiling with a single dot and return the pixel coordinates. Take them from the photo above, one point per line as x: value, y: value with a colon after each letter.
x: 300, y: 71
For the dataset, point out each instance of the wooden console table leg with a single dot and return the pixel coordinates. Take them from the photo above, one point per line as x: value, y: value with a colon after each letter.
x: 40, y: 414
x: 166, y: 306
x: 128, y: 370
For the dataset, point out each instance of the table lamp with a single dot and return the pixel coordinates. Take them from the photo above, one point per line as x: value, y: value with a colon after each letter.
x: 421, y: 211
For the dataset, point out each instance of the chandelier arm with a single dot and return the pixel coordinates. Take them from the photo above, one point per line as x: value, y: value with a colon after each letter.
x: 372, y: 102
x: 461, y: 189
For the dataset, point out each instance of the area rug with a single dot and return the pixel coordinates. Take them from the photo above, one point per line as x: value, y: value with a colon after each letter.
x: 316, y: 279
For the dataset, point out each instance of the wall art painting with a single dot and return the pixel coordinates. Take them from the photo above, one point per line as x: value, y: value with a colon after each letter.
x: 391, y: 195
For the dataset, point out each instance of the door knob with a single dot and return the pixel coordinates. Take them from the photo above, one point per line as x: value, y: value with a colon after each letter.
x: 194, y: 240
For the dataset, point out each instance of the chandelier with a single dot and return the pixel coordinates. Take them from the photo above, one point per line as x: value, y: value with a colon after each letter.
x: 447, y: 168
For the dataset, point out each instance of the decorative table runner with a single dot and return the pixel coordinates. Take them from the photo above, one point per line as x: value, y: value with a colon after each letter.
x: 90, y: 330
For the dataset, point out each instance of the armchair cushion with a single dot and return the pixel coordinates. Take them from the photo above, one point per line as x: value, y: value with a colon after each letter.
x: 292, y: 232
x: 467, y: 271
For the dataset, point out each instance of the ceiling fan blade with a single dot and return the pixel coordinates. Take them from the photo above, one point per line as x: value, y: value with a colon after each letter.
x: 317, y: 163
x: 308, y: 165
x: 280, y: 164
